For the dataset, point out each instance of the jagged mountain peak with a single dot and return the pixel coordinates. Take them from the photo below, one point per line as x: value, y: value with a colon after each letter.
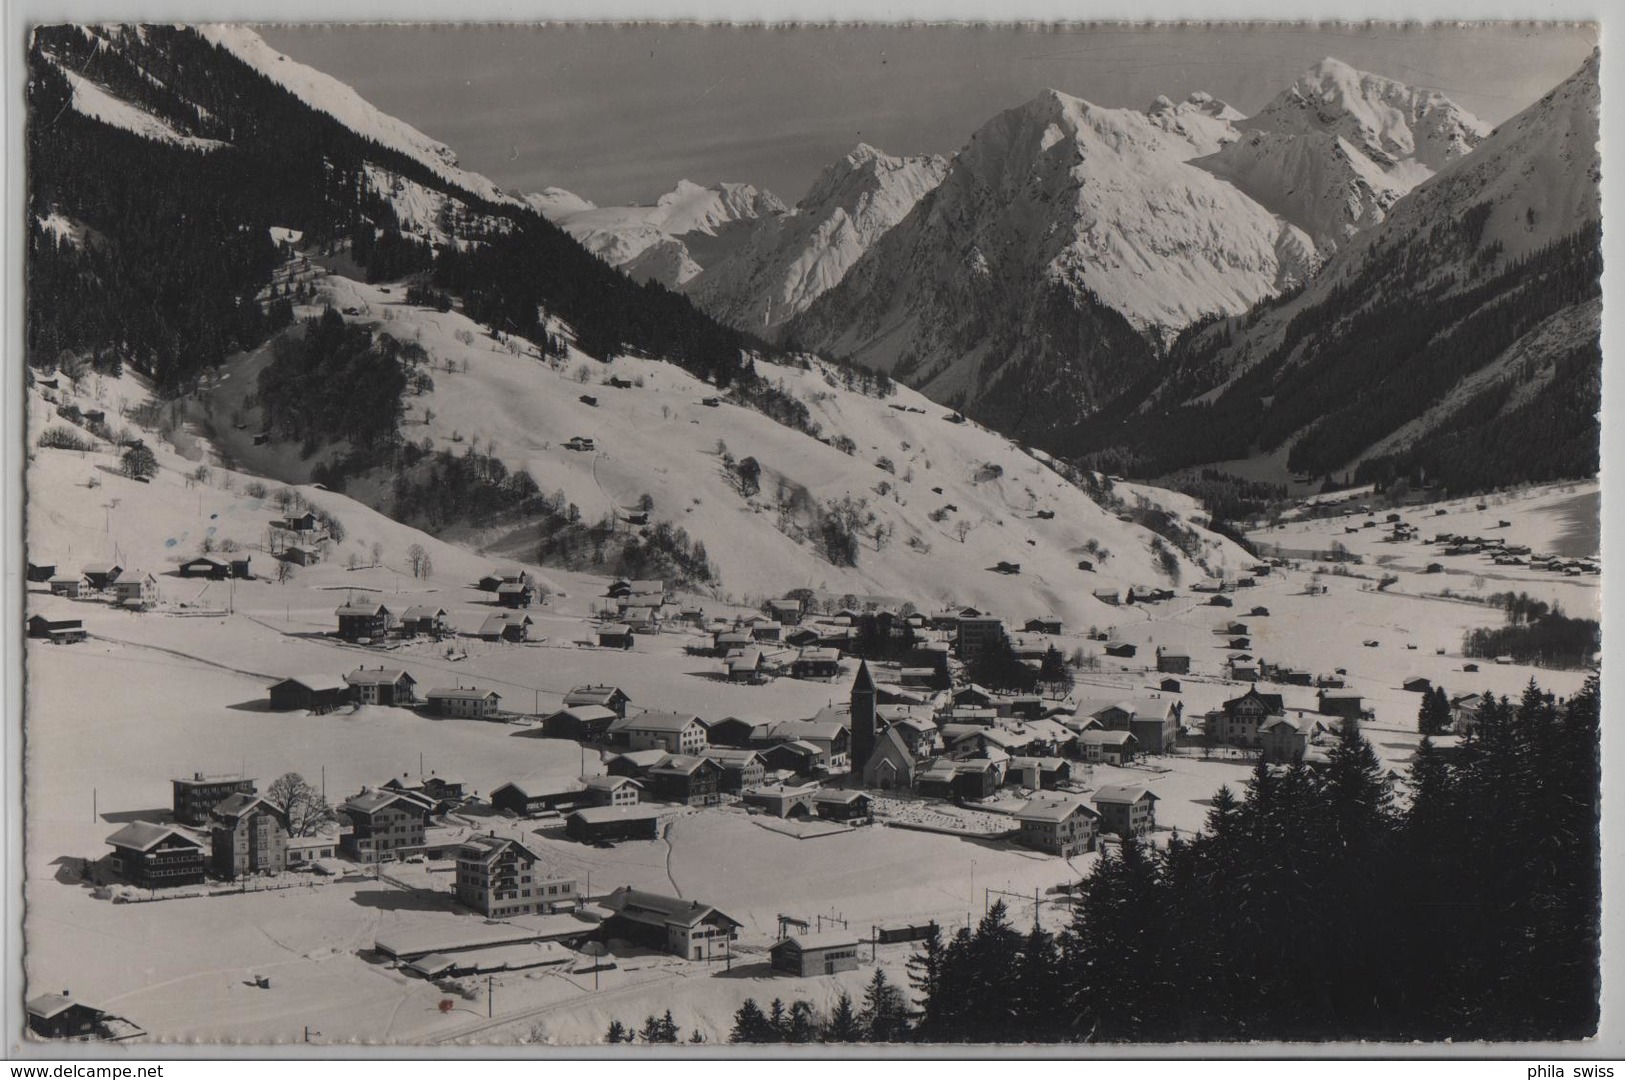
x: 1390, y: 121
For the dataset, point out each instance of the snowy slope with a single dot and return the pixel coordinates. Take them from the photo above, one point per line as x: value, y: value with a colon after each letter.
x: 648, y: 241
x: 326, y: 94
x: 658, y: 439
x: 98, y: 104
x: 790, y: 260
x: 1339, y: 147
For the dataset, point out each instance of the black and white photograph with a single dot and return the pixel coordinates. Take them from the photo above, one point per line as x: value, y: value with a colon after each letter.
x: 809, y: 539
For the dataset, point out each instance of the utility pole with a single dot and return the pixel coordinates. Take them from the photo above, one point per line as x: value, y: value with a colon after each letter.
x: 874, y: 943
x: 309, y: 1033
x: 490, y: 988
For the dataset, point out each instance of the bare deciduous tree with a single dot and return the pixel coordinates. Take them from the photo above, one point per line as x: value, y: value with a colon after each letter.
x: 307, y: 810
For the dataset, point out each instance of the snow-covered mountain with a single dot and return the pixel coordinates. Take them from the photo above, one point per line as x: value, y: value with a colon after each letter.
x: 789, y: 260
x: 660, y: 242
x: 1339, y: 147
x: 1459, y: 334
x: 1052, y: 209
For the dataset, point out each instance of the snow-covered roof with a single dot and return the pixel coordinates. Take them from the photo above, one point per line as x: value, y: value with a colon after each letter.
x: 144, y: 836
x: 1123, y: 793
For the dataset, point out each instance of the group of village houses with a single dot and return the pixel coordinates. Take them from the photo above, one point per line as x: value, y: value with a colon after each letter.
x: 899, y: 734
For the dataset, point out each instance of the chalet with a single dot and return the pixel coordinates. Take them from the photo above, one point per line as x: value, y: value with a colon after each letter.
x: 918, y: 678
x: 506, y: 627
x: 837, y: 804
x: 206, y: 566
x: 973, y: 778
x: 816, y: 663
x: 1154, y: 721
x: 515, y: 594
x: 1022, y: 706
x: 635, y: 763
x: 830, y: 731
x: 641, y: 614
x: 1284, y: 740
x: 1239, y: 643
x: 316, y: 693
x: 613, y: 791
x: 686, y: 779
x: 730, y: 731
x: 1417, y: 684
x: 383, y: 824
x: 741, y: 769
x: 597, y: 824
x: 977, y: 634
x: 1469, y: 667
x: 134, y: 587
x: 156, y: 856
x: 362, y: 620
x: 782, y: 800
x: 422, y: 619
x: 306, y: 522
x: 1259, y: 612
x: 615, y: 636
x: 583, y: 723
x: 1242, y: 668
x: 1237, y: 721
x: 463, y: 701
x: 1173, y: 663
x: 61, y: 1016
x: 1126, y: 810
x: 57, y: 631
x: 918, y: 733
x: 685, y: 928
x: 1170, y: 685
x: 300, y: 556
x: 195, y: 796
x: 1108, y: 596
x: 1064, y: 827
x: 612, y: 698
x: 1038, y: 773
x: 799, y: 757
x: 807, y: 955
x: 1122, y: 649
x: 1108, y: 747
x: 1220, y: 600
x: 73, y: 586
x: 521, y: 799
x: 786, y: 612
x: 744, y: 665
x: 1345, y: 703
x: 494, y: 581
x: 651, y: 587
x: 443, y: 792
x: 1046, y: 624
x: 100, y: 577
x: 499, y: 877
x: 675, y: 733
x: 248, y: 835
x: 1085, y: 564
x: 381, y: 686
x: 711, y: 402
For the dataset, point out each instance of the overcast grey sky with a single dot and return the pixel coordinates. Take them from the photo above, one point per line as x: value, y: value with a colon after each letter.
x: 619, y: 115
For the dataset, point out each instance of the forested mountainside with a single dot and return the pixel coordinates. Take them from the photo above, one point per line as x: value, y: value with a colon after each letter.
x: 160, y: 158
x: 1459, y: 339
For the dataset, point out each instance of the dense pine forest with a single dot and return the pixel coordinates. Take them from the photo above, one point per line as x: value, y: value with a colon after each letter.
x: 1310, y: 907
x: 1349, y: 370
